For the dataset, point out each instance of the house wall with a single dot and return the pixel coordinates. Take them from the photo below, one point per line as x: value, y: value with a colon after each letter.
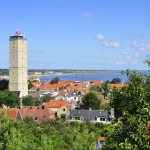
x: 62, y: 110
x: 54, y: 109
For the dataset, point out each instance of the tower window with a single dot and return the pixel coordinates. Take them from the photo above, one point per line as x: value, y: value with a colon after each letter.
x: 22, y: 57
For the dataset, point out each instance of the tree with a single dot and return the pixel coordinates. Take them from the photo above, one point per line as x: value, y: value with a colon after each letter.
x: 30, y: 85
x: 9, y: 98
x: 116, y: 81
x: 147, y: 62
x: 55, y: 80
x: 4, y: 84
x: 95, y: 88
x: 105, y: 89
x: 131, y: 102
x: 91, y: 100
x: 28, y: 101
x: 46, y: 98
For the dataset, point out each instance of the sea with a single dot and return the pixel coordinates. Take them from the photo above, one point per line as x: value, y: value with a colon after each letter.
x: 85, y: 77
x: 90, y: 76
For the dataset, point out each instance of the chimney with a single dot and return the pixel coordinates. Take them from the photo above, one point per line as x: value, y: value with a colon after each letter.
x: 112, y: 113
x: 43, y: 106
x: 21, y: 103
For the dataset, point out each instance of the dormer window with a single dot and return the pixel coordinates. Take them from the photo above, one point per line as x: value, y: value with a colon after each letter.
x: 36, y: 118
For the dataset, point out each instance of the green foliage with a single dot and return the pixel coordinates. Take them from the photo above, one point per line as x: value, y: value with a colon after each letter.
x: 49, y: 135
x: 4, y: 72
x: 8, y: 98
x: 116, y: 81
x: 28, y: 101
x: 55, y: 80
x: 91, y: 100
x: 4, y: 84
x: 147, y: 62
x: 95, y: 88
x: 30, y: 85
x: 105, y: 106
x: 46, y: 98
x: 132, y: 104
x: 105, y: 89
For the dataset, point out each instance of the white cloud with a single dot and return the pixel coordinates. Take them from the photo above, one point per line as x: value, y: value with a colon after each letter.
x: 121, y: 63
x: 141, y: 46
x: 107, y: 42
x: 100, y: 36
x: 142, y: 49
x: 111, y: 44
x: 86, y: 15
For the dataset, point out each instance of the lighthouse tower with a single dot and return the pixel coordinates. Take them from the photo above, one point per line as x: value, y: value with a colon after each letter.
x: 18, y: 80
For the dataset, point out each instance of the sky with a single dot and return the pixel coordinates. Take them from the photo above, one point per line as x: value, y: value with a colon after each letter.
x: 78, y: 34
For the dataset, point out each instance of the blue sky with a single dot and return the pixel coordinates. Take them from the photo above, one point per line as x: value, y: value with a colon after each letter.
x: 78, y: 34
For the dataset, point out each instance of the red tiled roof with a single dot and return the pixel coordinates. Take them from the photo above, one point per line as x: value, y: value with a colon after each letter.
x: 53, y: 86
x: 96, y: 82
x: 62, y: 92
x: 101, y: 138
x: 37, y: 113
x: 12, y: 112
x: 34, y: 88
x: 74, y: 102
x: 46, y: 83
x: 78, y: 87
x: 36, y: 83
x: 56, y: 104
x: 117, y: 85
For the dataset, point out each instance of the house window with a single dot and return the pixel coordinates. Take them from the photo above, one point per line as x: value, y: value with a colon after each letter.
x: 63, y: 109
x: 77, y: 118
x: 102, y: 119
x: 36, y: 118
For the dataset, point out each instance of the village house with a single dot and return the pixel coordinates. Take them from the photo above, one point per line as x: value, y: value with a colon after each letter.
x: 38, y: 113
x: 90, y: 116
x: 74, y: 96
x: 59, y: 107
x: 73, y: 104
x: 12, y: 113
